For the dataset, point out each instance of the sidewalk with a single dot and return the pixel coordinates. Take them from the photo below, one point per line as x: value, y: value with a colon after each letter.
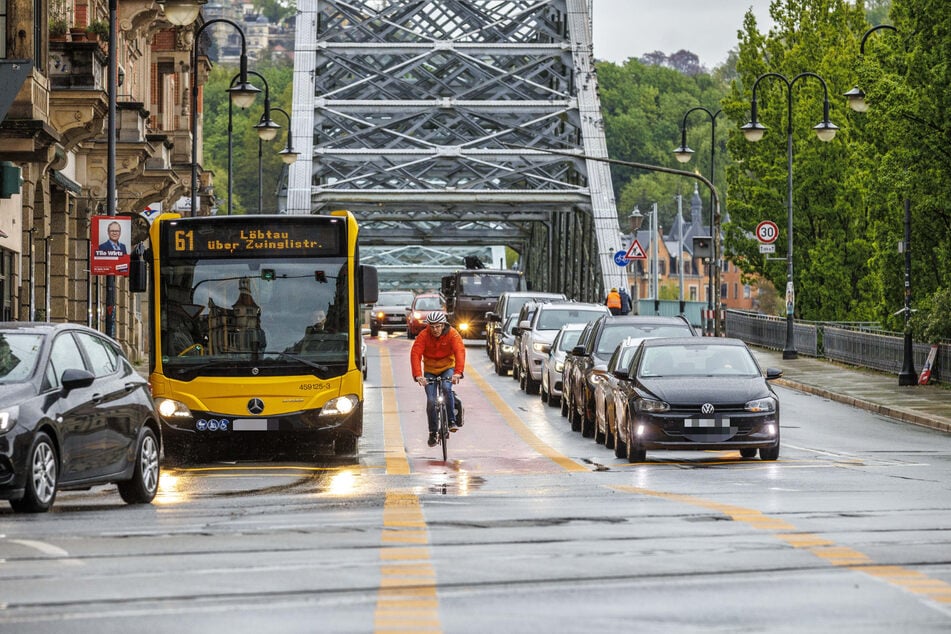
x: 878, y: 392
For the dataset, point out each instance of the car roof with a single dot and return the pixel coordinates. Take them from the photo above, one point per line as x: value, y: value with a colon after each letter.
x: 571, y: 305
x: 43, y: 327
x: 693, y: 341
x: 531, y: 294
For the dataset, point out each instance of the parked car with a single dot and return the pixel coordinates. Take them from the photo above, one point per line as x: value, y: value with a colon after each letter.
x: 525, y: 313
x: 363, y: 357
x: 606, y: 391
x: 554, y: 363
x: 73, y: 414
x: 509, y: 304
x: 504, y: 346
x: 389, y: 312
x: 697, y: 393
x: 422, y: 305
x: 536, y: 334
x: 595, y: 347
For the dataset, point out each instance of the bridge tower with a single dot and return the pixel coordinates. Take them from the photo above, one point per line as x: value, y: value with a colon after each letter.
x: 432, y: 121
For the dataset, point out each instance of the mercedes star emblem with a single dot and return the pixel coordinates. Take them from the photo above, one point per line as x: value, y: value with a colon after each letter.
x: 255, y: 406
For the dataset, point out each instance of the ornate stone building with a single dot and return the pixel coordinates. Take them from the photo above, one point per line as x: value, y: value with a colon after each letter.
x: 53, y: 149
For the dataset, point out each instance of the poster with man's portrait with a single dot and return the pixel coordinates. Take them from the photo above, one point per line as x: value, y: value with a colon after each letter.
x: 109, y: 245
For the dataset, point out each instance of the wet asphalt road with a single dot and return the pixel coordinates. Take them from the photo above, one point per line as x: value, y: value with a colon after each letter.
x: 528, y: 528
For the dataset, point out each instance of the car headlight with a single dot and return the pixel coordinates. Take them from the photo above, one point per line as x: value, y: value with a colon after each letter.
x: 418, y: 316
x: 463, y: 326
x: 651, y: 405
x: 559, y: 366
x: 169, y: 408
x: 340, y: 406
x: 596, y: 377
x: 507, y: 348
x: 8, y: 418
x: 541, y: 347
x: 761, y: 405
x: 380, y: 315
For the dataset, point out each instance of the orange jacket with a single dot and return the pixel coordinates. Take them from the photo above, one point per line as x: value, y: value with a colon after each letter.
x: 614, y: 300
x: 437, y: 354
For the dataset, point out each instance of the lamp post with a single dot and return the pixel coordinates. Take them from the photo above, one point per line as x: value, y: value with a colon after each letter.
x: 111, y: 157
x: 242, y: 96
x: 754, y: 131
x: 683, y: 154
x: 266, y: 129
x: 288, y: 155
x: 907, y: 376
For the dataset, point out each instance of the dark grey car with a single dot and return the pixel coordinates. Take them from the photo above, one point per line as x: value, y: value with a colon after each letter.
x: 73, y: 414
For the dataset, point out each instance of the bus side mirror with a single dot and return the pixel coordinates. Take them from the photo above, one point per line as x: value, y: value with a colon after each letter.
x: 138, y: 273
x: 369, y: 285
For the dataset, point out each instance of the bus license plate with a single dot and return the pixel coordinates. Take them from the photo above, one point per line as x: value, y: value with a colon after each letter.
x: 250, y: 424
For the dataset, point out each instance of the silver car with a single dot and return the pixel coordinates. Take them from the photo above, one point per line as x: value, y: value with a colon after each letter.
x: 564, y: 341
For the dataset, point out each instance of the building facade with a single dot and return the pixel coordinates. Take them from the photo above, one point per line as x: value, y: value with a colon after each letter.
x: 53, y: 127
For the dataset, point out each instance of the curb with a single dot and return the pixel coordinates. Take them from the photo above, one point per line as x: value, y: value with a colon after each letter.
x: 938, y: 423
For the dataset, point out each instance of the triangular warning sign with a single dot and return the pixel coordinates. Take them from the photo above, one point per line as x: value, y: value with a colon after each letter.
x: 635, y: 252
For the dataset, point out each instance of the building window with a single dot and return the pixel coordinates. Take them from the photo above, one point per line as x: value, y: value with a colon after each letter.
x: 3, y: 29
x: 693, y: 293
x: 747, y: 291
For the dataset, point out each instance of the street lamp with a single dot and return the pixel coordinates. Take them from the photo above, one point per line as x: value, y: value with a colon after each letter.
x: 242, y: 96
x: 683, y: 154
x: 754, y: 131
x: 907, y: 376
x: 266, y: 129
x: 181, y: 12
x: 856, y: 96
x: 288, y: 155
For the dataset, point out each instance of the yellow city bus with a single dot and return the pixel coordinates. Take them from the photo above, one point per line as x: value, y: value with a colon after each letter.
x: 255, y: 331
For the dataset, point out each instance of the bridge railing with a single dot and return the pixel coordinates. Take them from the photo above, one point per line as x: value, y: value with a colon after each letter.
x: 671, y: 308
x: 862, y: 344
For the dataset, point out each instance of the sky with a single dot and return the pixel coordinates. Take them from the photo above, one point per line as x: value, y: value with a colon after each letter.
x: 631, y: 28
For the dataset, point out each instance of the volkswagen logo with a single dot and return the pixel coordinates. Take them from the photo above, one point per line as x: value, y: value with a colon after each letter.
x: 706, y: 408
x: 256, y: 406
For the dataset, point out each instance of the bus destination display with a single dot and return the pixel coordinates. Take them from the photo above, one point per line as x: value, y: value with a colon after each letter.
x: 211, y: 238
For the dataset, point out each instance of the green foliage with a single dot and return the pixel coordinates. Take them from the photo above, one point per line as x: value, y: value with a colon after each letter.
x: 244, y: 177
x: 932, y: 323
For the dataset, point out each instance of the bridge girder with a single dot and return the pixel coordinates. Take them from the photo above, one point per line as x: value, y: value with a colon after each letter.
x: 430, y: 122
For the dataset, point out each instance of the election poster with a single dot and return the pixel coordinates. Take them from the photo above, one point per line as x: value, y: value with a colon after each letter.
x: 109, y: 245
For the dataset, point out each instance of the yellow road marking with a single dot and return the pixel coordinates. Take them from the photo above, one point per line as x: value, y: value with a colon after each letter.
x: 521, y: 429
x: 905, y: 578
x: 406, y: 599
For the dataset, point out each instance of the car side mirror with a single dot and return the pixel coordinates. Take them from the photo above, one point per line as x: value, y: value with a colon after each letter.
x: 577, y: 350
x: 773, y: 373
x: 74, y: 378
x: 621, y: 373
x: 545, y: 348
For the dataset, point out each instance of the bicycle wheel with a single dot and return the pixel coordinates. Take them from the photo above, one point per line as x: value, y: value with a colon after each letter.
x: 444, y: 431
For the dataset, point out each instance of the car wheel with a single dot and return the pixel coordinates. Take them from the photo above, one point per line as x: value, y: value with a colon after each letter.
x: 587, y: 422
x: 498, y: 368
x: 769, y: 453
x: 374, y: 331
x: 142, y: 487
x: 748, y: 453
x: 42, y: 477
x: 543, y: 392
x: 620, y: 448
x: 635, y: 453
x: 608, y: 436
x: 574, y: 417
x: 554, y: 400
x: 564, y: 403
x: 599, y: 436
x: 531, y: 385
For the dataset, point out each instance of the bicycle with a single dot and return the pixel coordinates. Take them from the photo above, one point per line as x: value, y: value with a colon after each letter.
x: 442, y: 412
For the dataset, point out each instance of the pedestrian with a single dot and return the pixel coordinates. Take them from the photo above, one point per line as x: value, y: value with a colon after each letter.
x: 625, y: 301
x: 613, y: 302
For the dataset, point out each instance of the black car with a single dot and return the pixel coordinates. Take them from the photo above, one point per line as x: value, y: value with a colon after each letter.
x: 696, y: 393
x: 504, y: 346
x: 595, y: 347
x: 73, y: 414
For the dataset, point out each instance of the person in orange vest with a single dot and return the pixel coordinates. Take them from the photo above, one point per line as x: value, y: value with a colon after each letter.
x: 613, y: 302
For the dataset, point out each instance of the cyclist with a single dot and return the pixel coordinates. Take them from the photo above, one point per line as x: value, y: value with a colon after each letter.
x: 438, y: 352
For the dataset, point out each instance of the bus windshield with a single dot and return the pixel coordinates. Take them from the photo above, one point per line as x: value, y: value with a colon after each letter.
x: 235, y: 317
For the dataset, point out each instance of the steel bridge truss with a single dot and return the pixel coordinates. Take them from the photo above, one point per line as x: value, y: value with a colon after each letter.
x: 430, y: 120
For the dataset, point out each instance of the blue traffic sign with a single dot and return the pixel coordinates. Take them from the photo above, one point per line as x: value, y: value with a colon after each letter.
x: 620, y: 258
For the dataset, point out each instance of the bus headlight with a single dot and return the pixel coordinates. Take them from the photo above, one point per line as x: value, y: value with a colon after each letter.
x: 168, y: 408
x: 340, y: 406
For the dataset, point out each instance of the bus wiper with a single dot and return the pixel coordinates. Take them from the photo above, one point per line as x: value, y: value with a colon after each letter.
x: 294, y: 357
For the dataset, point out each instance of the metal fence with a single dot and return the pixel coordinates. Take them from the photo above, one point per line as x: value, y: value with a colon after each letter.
x: 859, y: 344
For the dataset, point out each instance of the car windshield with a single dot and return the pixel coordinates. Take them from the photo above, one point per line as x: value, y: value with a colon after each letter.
x: 555, y: 318
x: 616, y: 333
x: 568, y: 339
x: 428, y: 303
x: 697, y: 360
x: 18, y: 355
x: 394, y: 298
x: 487, y: 284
